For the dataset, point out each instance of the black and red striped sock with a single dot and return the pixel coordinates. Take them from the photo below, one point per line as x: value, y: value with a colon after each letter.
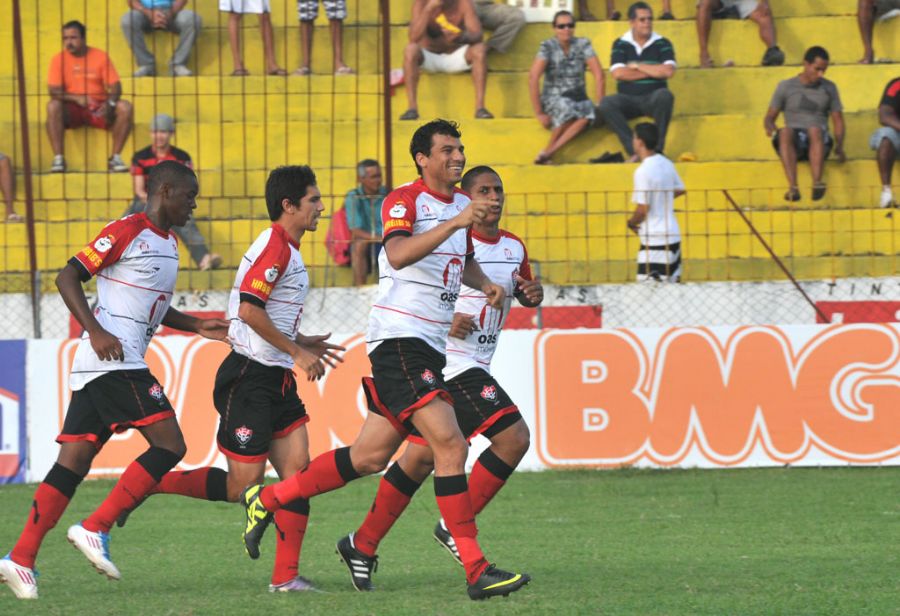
x: 395, y: 490
x: 487, y: 477
x: 290, y: 522
x: 50, y: 501
x: 207, y: 483
x: 325, y: 473
x: 452, y: 495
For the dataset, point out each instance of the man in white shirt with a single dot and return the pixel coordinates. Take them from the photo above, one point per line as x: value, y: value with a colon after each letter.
x: 656, y: 185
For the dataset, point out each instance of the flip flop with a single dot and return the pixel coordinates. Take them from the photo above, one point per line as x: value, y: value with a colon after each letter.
x: 344, y: 70
x: 240, y: 72
x: 793, y: 194
x: 277, y: 72
x: 818, y: 191
x: 13, y: 217
x: 302, y: 71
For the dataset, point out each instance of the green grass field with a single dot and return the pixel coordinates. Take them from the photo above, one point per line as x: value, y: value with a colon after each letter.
x: 763, y: 541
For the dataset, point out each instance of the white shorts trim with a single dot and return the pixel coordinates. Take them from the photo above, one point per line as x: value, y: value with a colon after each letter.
x: 446, y: 62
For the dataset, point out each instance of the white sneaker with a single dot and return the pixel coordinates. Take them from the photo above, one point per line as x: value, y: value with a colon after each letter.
x: 887, y: 197
x: 21, y: 580
x: 58, y: 165
x: 180, y: 70
x: 889, y: 15
x: 117, y: 165
x: 147, y: 70
x: 96, y: 547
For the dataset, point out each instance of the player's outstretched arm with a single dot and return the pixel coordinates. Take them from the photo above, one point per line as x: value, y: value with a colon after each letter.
x: 326, y: 351
x: 105, y: 345
x: 260, y: 322
x: 214, y: 329
x: 474, y: 277
x: 530, y: 293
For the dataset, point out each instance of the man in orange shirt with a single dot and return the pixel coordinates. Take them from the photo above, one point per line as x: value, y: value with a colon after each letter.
x: 85, y: 89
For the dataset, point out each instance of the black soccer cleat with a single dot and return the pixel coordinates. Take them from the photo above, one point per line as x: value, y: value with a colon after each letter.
x: 361, y: 566
x: 258, y: 519
x: 443, y: 537
x: 494, y: 581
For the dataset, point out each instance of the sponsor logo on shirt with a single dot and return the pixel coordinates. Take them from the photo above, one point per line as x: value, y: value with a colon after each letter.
x: 92, y: 256
x: 489, y: 392
x: 402, y: 223
x: 104, y: 243
x: 272, y: 273
x: 428, y: 376
x: 258, y: 285
x: 243, y: 435
x: 398, y: 211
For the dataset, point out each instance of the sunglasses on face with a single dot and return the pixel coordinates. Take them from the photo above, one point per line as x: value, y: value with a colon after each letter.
x: 568, y: 26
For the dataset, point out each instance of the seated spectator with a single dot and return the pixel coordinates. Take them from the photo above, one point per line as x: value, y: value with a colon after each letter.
x: 642, y: 61
x: 162, y: 128
x: 504, y: 22
x: 613, y: 15
x: 336, y: 12
x: 6, y: 187
x: 755, y: 10
x: 444, y: 37
x: 886, y: 140
x: 363, y: 208
x: 85, y: 89
x: 563, y: 105
x: 148, y: 15
x: 866, y: 14
x: 236, y: 10
x: 807, y: 100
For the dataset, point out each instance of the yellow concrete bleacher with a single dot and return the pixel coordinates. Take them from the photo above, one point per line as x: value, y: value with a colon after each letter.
x: 571, y: 215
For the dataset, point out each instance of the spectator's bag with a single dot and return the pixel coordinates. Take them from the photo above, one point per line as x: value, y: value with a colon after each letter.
x: 337, y: 240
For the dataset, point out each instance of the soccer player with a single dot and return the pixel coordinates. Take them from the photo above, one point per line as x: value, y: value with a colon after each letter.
x: 135, y: 260
x: 427, y: 254
x: 481, y: 405
x: 261, y: 416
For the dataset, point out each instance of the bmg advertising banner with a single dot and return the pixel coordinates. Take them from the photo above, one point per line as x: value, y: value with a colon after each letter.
x: 13, y: 442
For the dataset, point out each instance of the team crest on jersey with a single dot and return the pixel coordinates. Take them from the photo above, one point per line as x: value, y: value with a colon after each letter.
x: 489, y: 392
x: 398, y: 211
x: 508, y: 254
x: 428, y: 376
x: 104, y: 243
x: 143, y: 246
x: 156, y: 392
x: 243, y: 435
x: 272, y: 273
x: 426, y: 210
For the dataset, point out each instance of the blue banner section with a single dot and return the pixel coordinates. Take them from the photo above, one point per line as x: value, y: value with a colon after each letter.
x: 12, y: 411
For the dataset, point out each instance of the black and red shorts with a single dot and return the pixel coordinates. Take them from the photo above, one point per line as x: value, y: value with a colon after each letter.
x: 407, y: 374
x: 113, y: 403
x: 256, y: 403
x: 481, y: 406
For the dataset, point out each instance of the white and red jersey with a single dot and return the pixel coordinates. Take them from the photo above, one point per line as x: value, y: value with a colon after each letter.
x: 501, y: 259
x: 417, y: 301
x: 136, y: 265
x: 272, y: 276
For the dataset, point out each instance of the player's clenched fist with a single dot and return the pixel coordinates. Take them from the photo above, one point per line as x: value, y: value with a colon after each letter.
x: 494, y: 294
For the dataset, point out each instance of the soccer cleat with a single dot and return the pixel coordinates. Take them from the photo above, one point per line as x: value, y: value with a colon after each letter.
x: 494, y: 581
x: 95, y: 546
x: 58, y: 165
x: 298, y: 584
x: 361, y: 566
x: 258, y: 519
x: 443, y: 536
x: 21, y: 580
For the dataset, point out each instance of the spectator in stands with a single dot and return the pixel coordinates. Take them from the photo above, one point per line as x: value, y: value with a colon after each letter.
x: 807, y: 100
x: 363, y: 208
x: 236, y: 10
x: 866, y: 14
x: 563, y: 105
x: 613, y: 15
x: 886, y: 140
x: 642, y: 61
x: 162, y: 128
x: 755, y: 10
x: 85, y: 89
x: 336, y: 11
x: 6, y: 187
x: 504, y: 22
x: 656, y: 186
x: 149, y: 15
x: 445, y: 37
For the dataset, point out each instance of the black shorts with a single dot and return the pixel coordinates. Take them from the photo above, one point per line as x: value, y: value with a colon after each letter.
x: 256, y: 403
x: 112, y: 403
x: 801, y: 143
x: 481, y: 406
x: 407, y: 374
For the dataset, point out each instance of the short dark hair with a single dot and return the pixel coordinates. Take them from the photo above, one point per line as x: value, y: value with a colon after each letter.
x: 637, y: 6
x: 77, y: 25
x: 421, y: 141
x: 166, y: 172
x: 648, y: 132
x: 364, y: 164
x: 289, y: 182
x: 473, y: 174
x: 815, y: 52
x: 559, y: 14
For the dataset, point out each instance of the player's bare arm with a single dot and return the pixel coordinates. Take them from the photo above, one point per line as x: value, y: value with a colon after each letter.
x: 258, y: 319
x: 326, y: 351
x: 474, y: 277
x: 640, y: 213
x: 214, y: 329
x: 769, y: 121
x: 423, y: 12
x: 403, y: 250
x: 105, y: 345
x: 530, y: 293
x: 463, y: 325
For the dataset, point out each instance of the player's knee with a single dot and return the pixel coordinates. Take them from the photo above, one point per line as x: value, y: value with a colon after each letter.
x: 412, y: 51
x: 123, y: 108
x: 478, y: 52
x: 178, y: 448
x: 520, y: 438
x: 450, y: 449
x: 763, y: 12
x: 370, y: 463
x: 814, y: 132
x: 54, y: 107
x: 706, y: 6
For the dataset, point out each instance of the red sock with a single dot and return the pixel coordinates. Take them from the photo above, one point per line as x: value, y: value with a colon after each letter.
x: 206, y: 483
x: 290, y: 523
x: 395, y: 490
x: 487, y: 477
x: 452, y: 495
x: 327, y: 472
x: 50, y: 501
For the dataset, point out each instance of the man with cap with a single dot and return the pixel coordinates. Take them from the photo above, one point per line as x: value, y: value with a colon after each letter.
x: 162, y: 127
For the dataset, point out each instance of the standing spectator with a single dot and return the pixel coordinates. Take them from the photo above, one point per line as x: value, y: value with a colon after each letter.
x: 886, y: 140
x: 613, y: 15
x: 656, y: 186
x: 148, y: 15
x: 162, y: 127
x: 85, y: 89
x: 866, y: 14
x: 445, y: 37
x: 504, y: 22
x: 641, y: 62
x: 755, y: 10
x: 236, y: 10
x: 336, y: 11
x: 363, y: 208
x: 6, y: 187
x: 807, y: 100
x: 563, y: 106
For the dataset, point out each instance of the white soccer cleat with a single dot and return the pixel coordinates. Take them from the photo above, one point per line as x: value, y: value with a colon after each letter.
x: 96, y: 547
x: 21, y: 580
